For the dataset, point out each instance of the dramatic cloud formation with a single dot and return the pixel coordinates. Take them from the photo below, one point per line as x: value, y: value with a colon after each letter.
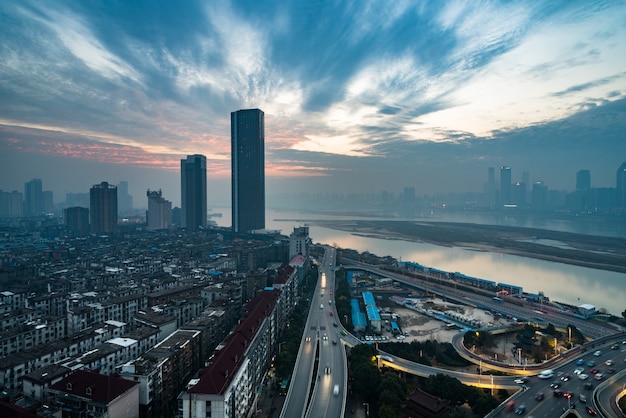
x: 357, y: 94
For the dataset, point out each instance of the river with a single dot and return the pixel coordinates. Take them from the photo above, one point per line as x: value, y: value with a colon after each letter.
x: 560, y: 282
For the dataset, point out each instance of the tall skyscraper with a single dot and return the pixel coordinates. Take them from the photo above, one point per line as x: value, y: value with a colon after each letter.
x: 103, y: 208
x: 620, y: 186
x: 247, y: 132
x: 505, y: 185
x: 583, y: 180
x: 33, y: 198
x: 193, y: 192
x: 159, y: 214
x: 491, y: 187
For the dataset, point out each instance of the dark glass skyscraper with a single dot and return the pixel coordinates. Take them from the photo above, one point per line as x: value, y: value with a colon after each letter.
x: 103, y: 208
x: 583, y: 180
x: 193, y: 192
x: 247, y: 133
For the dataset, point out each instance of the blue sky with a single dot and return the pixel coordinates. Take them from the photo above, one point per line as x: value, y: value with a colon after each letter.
x: 358, y: 95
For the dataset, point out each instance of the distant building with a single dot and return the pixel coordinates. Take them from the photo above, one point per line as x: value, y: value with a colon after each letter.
x: 76, y: 220
x: 103, y: 208
x: 424, y: 405
x: 159, y: 214
x: 248, y: 169
x: 10, y: 204
x: 583, y: 180
x: 193, y: 192
x: 124, y: 199
x: 505, y: 185
x: 33, y: 198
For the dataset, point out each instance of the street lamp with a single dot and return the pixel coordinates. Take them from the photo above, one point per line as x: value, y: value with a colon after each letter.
x: 367, y: 409
x: 491, y: 384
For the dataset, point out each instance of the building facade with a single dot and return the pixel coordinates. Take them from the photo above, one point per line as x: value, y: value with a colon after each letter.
x: 103, y: 208
x: 193, y: 192
x: 248, y: 169
x: 76, y: 220
x: 33, y: 198
x: 159, y: 214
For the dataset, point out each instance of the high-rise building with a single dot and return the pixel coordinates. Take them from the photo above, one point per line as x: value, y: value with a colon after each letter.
x: 77, y: 220
x: 124, y: 200
x: 33, y: 198
x: 193, y: 192
x: 103, y: 208
x: 491, y: 187
x: 247, y: 130
x: 620, y: 186
x: 10, y: 204
x: 159, y: 214
x: 583, y: 180
x: 505, y: 185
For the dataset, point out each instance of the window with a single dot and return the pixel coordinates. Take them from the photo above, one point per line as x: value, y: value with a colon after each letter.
x: 69, y: 386
x: 88, y: 391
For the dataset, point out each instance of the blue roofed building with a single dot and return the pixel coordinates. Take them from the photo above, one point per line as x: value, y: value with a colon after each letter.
x: 358, y: 318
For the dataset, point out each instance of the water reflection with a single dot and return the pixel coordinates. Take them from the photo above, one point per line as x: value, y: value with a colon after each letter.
x: 560, y: 282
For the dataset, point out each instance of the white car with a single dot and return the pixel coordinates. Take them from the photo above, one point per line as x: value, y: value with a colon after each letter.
x: 579, y: 370
x: 597, y: 353
x: 583, y: 376
x: 609, y: 362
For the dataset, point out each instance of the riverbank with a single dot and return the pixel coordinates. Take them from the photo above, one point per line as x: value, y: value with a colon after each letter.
x: 603, y: 253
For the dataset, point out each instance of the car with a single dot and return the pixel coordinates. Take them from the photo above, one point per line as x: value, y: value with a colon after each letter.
x: 591, y: 411
x: 325, y: 337
x: 598, y: 376
x: 336, y: 390
x: 327, y: 370
x: 594, y: 371
x: 568, y: 395
x: 597, y: 353
x: 308, y: 339
x: 510, y: 405
x: 608, y: 362
x: 520, y: 380
x: 520, y: 410
x: 580, y: 362
x: 555, y: 385
x: 539, y: 396
x: 579, y: 370
x: 565, y: 377
x: 614, y: 347
x: 334, y: 342
x: 331, y: 313
x: 588, y: 385
x: 558, y: 393
x: 591, y: 364
x: 583, y: 376
x: 582, y: 398
x: 610, y: 371
x: 334, y: 324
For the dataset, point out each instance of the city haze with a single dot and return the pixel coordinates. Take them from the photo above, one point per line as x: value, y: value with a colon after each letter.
x: 358, y: 98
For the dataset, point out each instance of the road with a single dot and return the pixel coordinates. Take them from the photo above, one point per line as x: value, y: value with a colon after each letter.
x: 321, y: 363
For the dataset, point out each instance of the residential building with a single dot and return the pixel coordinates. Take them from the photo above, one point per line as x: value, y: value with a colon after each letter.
x: 159, y: 214
x: 76, y: 220
x: 33, y: 198
x: 103, y: 208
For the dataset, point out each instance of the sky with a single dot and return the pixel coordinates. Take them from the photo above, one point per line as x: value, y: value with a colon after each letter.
x: 359, y: 96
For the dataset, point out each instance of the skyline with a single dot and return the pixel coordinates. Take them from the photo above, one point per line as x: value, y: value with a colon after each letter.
x: 357, y: 97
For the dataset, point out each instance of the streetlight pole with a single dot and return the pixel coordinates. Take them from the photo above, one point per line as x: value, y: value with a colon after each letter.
x: 491, y: 384
x: 367, y: 409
